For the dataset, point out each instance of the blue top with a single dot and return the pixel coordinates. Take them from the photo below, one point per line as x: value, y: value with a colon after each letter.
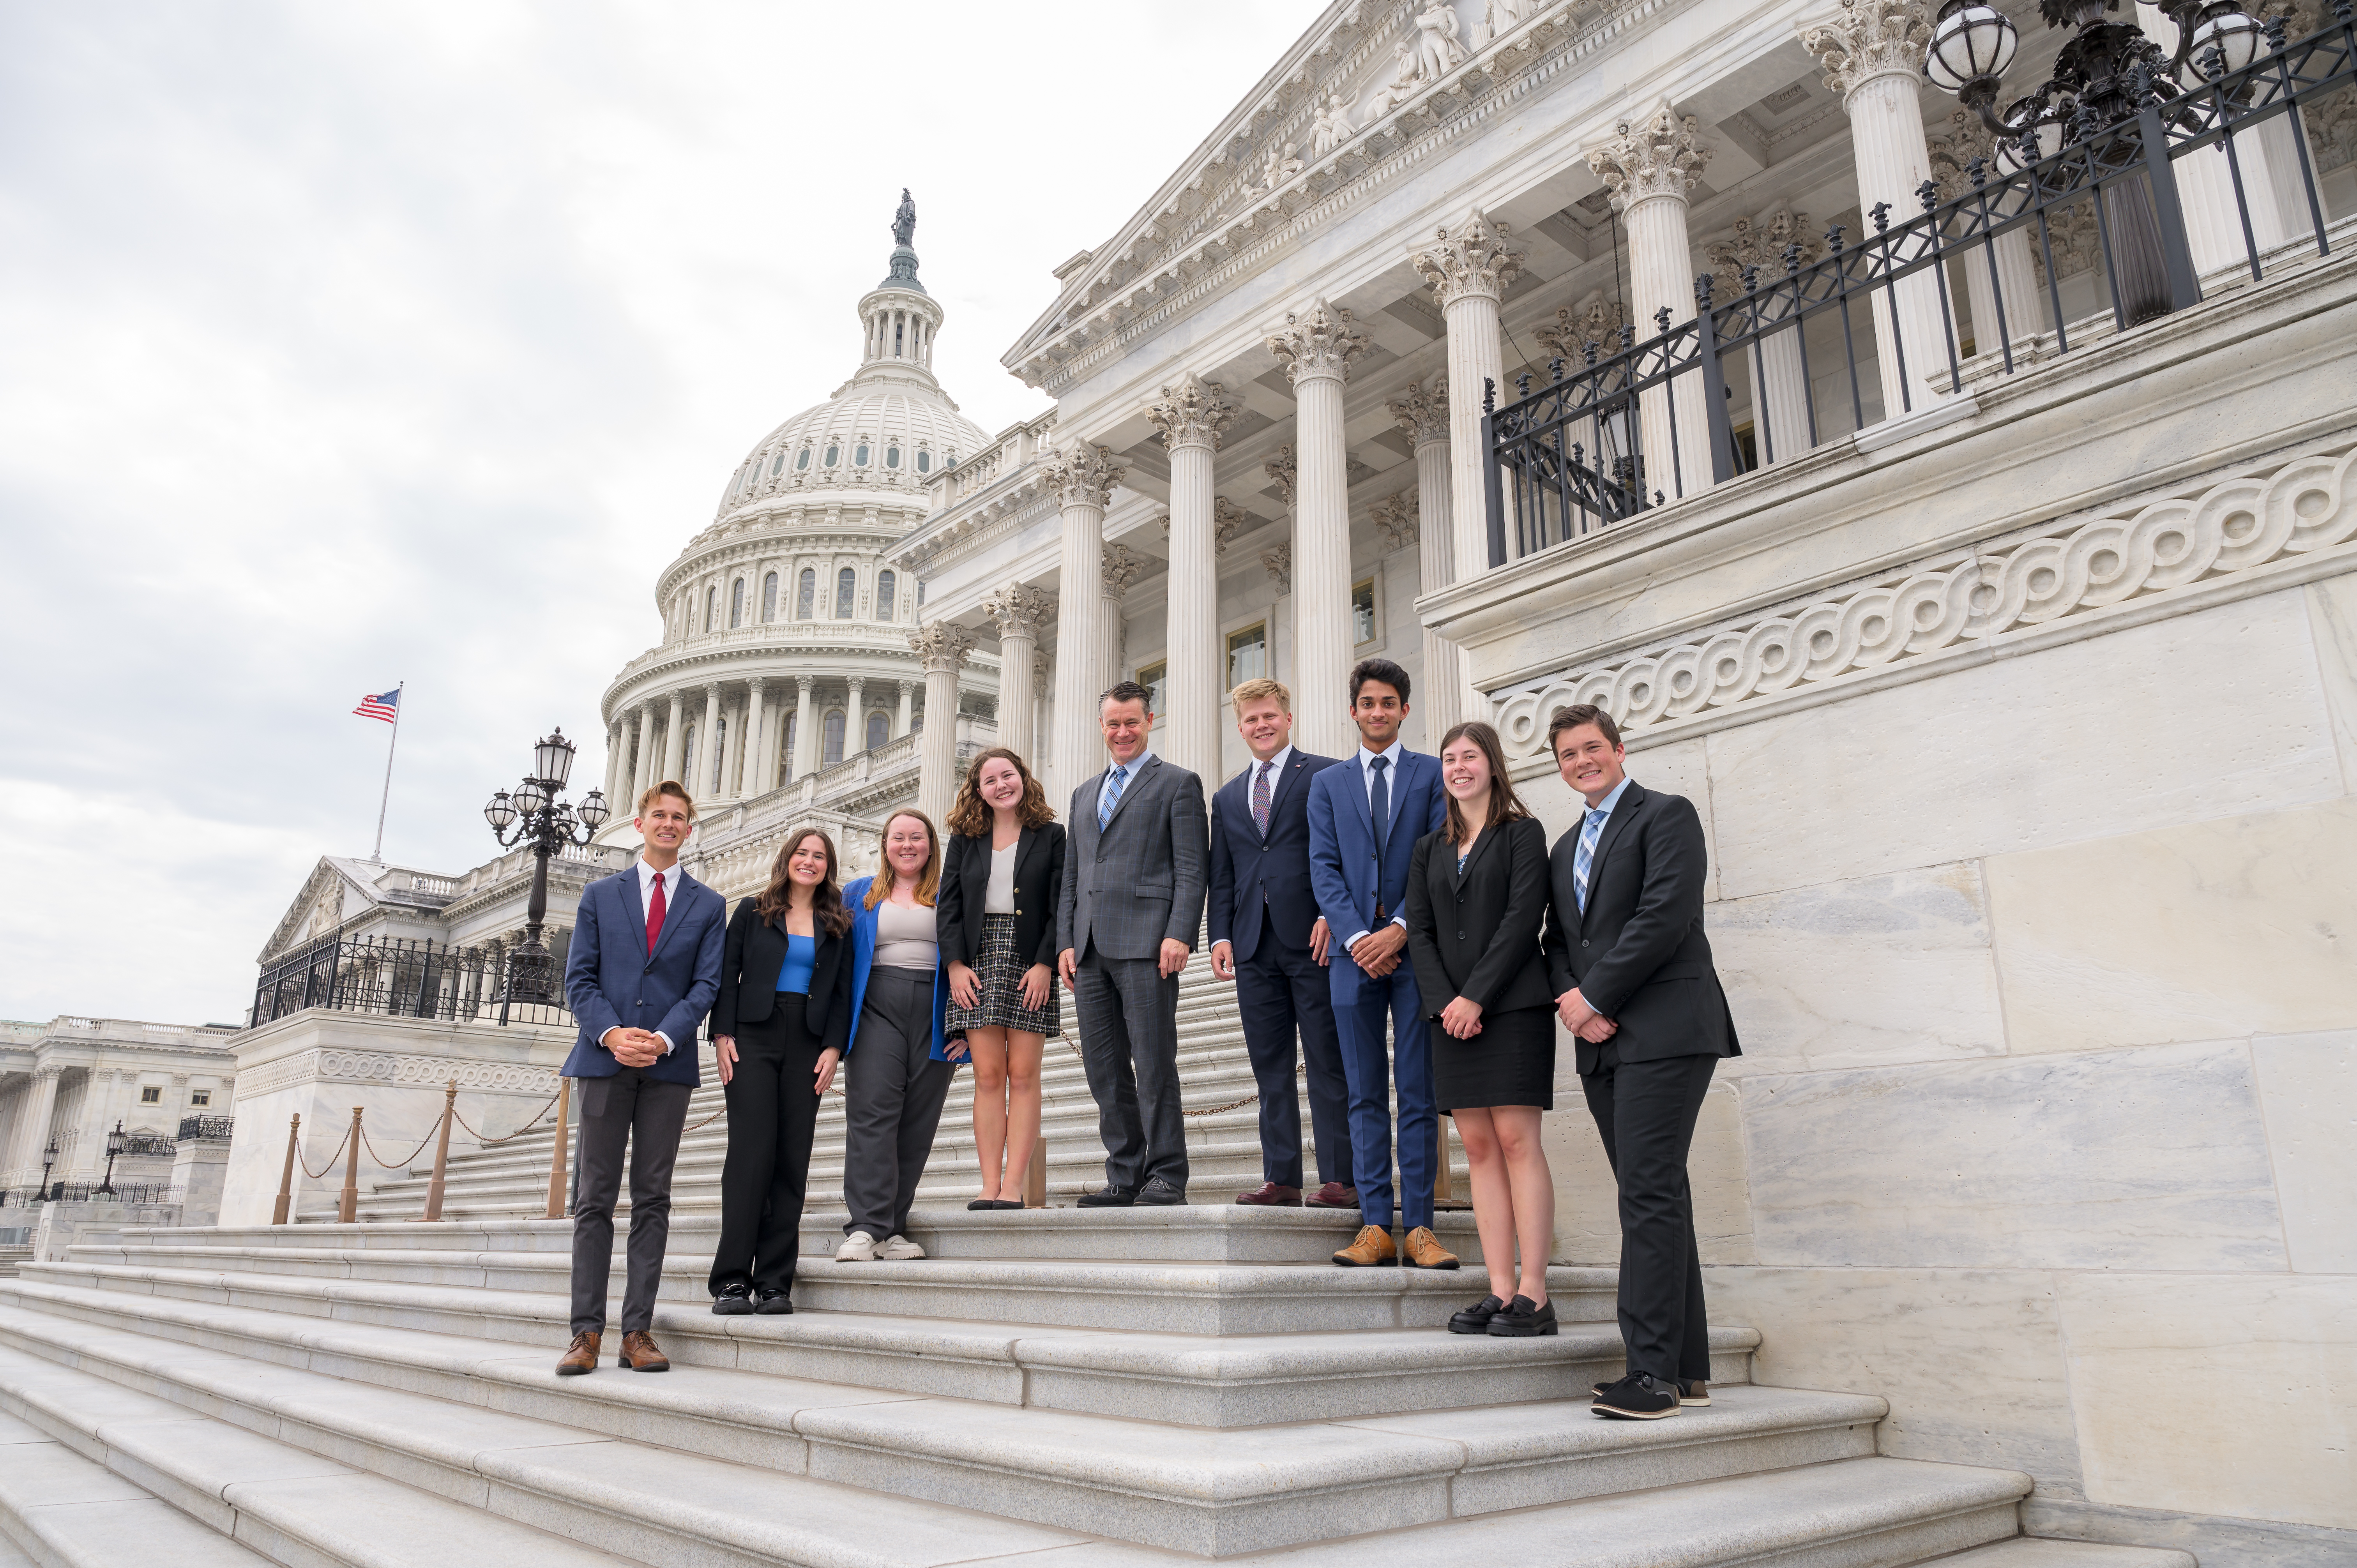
x: 802, y: 958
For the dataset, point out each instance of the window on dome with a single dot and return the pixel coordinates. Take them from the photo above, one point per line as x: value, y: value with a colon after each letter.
x: 924, y: 462
x: 880, y: 729
x: 859, y: 456
x: 712, y: 610
x: 834, y: 455
x: 806, y: 595
x: 899, y: 332
x: 891, y: 457
x: 737, y: 604
x: 777, y: 464
x: 887, y: 584
x: 832, y: 741
x: 846, y: 584
x: 801, y: 459
x: 769, y: 596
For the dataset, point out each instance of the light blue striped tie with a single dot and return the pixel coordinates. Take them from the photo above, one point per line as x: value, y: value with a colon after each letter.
x: 1582, y: 857
x: 1110, y: 796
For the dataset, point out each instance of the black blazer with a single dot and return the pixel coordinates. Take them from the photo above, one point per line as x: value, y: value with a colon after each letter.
x: 1638, y: 955
x: 965, y: 883
x: 1477, y: 936
x: 754, y: 952
x: 1252, y: 877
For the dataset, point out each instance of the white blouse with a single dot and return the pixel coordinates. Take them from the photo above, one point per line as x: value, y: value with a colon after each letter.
x: 1000, y: 898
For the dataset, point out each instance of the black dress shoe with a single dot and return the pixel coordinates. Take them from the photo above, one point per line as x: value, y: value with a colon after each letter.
x: 1521, y: 1318
x: 1690, y: 1394
x: 772, y: 1303
x: 734, y: 1300
x: 1108, y: 1197
x: 1475, y: 1319
x: 1160, y: 1193
x: 1637, y: 1397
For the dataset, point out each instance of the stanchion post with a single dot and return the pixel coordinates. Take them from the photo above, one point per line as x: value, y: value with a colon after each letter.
x: 441, y: 1153
x: 1035, y: 1175
x: 1444, y: 1180
x: 287, y: 1175
x: 348, y: 1207
x: 556, y: 1150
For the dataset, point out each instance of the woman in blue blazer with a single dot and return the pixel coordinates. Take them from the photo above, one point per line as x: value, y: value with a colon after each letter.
x: 899, y: 1060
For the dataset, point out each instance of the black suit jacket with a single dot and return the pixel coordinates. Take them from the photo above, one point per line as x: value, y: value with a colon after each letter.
x: 1253, y: 877
x: 965, y: 883
x: 1638, y: 955
x: 749, y: 961
x: 1478, y: 935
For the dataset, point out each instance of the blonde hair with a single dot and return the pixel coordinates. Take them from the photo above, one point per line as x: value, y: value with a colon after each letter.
x: 1261, y: 686
x: 654, y: 792
x: 929, y: 881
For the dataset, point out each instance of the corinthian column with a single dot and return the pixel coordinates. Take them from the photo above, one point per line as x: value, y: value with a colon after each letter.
x: 805, y: 727
x: 675, y: 741
x: 1469, y: 269
x: 1424, y: 412
x: 1648, y: 166
x: 1082, y: 478
x: 617, y: 742
x: 754, y: 748
x: 1317, y: 345
x: 1873, y: 54
x: 908, y: 707
x: 1190, y: 417
x: 643, y: 764
x: 855, y: 718
x: 1120, y: 569
x: 941, y: 648
x: 1780, y: 412
x: 32, y: 1131
x: 708, y: 764
x: 1020, y: 611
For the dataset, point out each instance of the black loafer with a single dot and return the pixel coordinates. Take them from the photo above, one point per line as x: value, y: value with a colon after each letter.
x: 772, y: 1303
x: 1160, y: 1193
x: 734, y: 1300
x: 1637, y: 1397
x: 1108, y: 1197
x: 1521, y: 1318
x: 1475, y: 1319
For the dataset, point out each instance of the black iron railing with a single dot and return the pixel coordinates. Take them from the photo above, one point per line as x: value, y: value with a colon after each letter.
x: 206, y: 1129
x: 401, y: 978
x: 148, y: 1145
x: 88, y: 1192
x: 1604, y: 439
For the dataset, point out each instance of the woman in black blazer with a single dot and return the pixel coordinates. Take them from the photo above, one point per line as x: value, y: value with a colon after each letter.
x: 1477, y: 903
x: 778, y: 1030
x: 998, y: 921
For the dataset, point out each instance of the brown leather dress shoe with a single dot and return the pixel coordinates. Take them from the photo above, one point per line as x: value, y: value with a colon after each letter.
x: 1333, y: 1195
x: 1268, y: 1194
x: 1425, y: 1251
x: 582, y: 1357
x: 641, y: 1354
x: 1372, y: 1248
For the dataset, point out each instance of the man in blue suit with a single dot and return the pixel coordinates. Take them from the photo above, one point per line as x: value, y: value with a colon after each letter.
x: 1267, y: 937
x: 1364, y: 820
x: 641, y: 973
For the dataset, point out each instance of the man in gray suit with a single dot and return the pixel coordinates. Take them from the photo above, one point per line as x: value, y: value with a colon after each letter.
x: 1132, y: 902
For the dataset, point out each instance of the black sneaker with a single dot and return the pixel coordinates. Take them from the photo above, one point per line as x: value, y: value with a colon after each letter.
x: 1160, y: 1193
x: 1522, y: 1318
x: 1108, y: 1197
x: 1637, y: 1397
x: 1691, y: 1395
x: 733, y: 1300
x: 772, y: 1303
x: 1475, y: 1319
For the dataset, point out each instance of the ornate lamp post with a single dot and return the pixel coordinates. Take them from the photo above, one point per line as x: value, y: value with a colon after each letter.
x: 49, y: 1158
x: 545, y: 825
x: 113, y: 1147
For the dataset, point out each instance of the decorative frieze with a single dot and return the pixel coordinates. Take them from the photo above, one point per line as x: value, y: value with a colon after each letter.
x: 1659, y: 156
x: 333, y: 1064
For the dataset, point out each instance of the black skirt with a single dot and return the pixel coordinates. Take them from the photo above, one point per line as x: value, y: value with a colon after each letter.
x: 1510, y: 1062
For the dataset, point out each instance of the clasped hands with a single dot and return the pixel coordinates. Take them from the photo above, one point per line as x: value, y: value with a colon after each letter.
x: 634, y: 1048
x: 1583, y: 1020
x: 1379, y: 951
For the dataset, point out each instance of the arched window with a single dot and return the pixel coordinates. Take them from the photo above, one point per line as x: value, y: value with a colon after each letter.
x: 859, y: 456
x: 846, y: 584
x: 687, y: 754
x: 891, y: 457
x: 886, y: 583
x: 878, y: 728
x: 924, y: 462
x: 834, y: 455
x: 806, y: 597
x: 899, y: 335
x: 801, y: 459
x: 769, y: 596
x: 712, y: 610
x: 737, y: 604
x: 833, y: 739
x: 786, y: 750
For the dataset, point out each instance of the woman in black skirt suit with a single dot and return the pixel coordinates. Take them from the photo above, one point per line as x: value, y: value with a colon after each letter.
x: 997, y: 924
x: 1477, y: 901
x: 778, y: 1030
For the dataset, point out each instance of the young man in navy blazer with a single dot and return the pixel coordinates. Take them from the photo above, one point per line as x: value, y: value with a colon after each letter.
x: 1267, y: 937
x: 641, y: 973
x: 1364, y: 819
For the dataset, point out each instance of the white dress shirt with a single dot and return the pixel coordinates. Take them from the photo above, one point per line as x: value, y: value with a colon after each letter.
x: 1365, y: 760
x: 648, y: 878
x: 1275, y: 766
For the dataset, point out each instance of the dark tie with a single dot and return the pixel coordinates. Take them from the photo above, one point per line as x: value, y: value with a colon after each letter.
x: 1379, y: 803
x: 1260, y: 796
x: 655, y: 918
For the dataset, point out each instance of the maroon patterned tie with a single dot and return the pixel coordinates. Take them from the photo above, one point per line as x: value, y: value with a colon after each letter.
x: 1260, y: 796
x: 655, y: 918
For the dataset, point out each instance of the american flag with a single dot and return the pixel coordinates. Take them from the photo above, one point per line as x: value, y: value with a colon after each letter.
x: 380, y: 706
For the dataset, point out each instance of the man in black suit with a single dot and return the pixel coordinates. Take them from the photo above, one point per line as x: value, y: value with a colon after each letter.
x: 1267, y: 937
x: 1633, y: 981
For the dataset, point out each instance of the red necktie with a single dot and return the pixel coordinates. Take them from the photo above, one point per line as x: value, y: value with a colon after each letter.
x: 655, y: 918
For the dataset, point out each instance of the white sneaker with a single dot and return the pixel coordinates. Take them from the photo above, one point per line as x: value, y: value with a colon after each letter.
x: 897, y: 1249
x: 858, y: 1247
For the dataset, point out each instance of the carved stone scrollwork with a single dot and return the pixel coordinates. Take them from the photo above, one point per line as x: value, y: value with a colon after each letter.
x: 1867, y: 38
x: 1279, y: 563
x: 1423, y: 411
x: 1963, y: 139
x: 941, y: 647
x: 1227, y: 519
x: 1285, y: 470
x: 1595, y: 320
x: 1471, y: 260
x: 1396, y: 516
x: 1192, y: 413
x: 1123, y: 567
x: 1019, y: 608
x: 1762, y: 243
x: 1081, y: 474
x: 1659, y: 155
x: 1319, y: 341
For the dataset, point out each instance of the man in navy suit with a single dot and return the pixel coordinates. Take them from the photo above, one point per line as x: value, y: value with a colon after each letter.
x: 1267, y: 937
x: 1364, y: 820
x: 641, y: 973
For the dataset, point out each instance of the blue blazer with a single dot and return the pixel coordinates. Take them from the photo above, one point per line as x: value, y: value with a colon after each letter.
x: 1348, y: 876
x: 1256, y: 881
x: 612, y: 982
x: 863, y: 961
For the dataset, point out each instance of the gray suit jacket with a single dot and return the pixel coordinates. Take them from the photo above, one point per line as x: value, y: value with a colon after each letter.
x: 1142, y: 878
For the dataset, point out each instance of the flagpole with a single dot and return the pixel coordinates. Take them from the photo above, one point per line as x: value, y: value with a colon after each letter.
x: 386, y: 799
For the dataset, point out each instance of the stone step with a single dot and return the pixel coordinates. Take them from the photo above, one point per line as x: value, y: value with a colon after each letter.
x: 2026, y: 1551
x: 59, y: 1509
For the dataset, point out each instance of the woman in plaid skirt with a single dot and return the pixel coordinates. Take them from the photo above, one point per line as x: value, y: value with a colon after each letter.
x: 997, y: 924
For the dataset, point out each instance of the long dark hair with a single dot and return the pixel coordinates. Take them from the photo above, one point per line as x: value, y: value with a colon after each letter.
x: 827, y: 912
x: 1505, y: 806
x: 970, y: 815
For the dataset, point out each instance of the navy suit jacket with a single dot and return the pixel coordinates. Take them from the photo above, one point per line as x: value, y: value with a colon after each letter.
x: 1255, y: 878
x: 612, y: 982
x: 1350, y: 878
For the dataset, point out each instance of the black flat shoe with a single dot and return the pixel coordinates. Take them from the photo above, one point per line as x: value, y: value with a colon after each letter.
x: 982, y: 1203
x: 1521, y: 1319
x: 1108, y: 1197
x: 774, y: 1303
x: 733, y: 1300
x: 1005, y: 1203
x: 1475, y: 1319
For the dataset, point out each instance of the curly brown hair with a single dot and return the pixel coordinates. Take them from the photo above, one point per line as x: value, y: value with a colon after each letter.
x: 970, y: 815
x: 1505, y: 806
x: 827, y: 912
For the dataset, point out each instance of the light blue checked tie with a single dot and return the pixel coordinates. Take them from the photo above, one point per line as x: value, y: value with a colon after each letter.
x: 1585, y: 853
x: 1110, y: 796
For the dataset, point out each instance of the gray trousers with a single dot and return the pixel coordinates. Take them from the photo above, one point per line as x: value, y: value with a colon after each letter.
x: 1128, y: 1014
x: 647, y: 1114
x: 893, y: 1091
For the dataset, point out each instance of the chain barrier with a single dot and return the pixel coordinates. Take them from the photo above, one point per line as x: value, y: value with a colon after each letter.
x: 321, y: 1173
x: 368, y: 1145
x: 532, y: 1123
x: 1251, y: 1099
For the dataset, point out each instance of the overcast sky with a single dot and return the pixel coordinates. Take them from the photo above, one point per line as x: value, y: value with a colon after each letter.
x: 352, y: 344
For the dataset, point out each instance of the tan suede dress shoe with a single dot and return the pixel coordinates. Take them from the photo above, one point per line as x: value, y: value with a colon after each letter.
x: 641, y: 1354
x: 1425, y: 1251
x: 1372, y: 1248
x: 582, y: 1357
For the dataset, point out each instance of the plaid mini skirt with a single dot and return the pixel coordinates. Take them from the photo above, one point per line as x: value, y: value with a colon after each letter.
x: 1001, y: 971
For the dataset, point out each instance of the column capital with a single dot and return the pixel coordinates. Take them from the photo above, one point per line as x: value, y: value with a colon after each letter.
x: 1279, y: 563
x: 1396, y: 515
x: 1595, y: 322
x: 1192, y: 413
x: 1019, y: 609
x: 1285, y: 470
x: 1123, y: 567
x: 1083, y: 473
x: 907, y: 688
x: 49, y: 1070
x: 1763, y: 242
x: 1866, y: 38
x: 1423, y: 411
x: 941, y: 647
x: 1039, y: 666
x: 1659, y: 156
x: 1964, y: 138
x: 1319, y: 343
x: 755, y: 683
x: 1470, y: 262
x: 803, y: 684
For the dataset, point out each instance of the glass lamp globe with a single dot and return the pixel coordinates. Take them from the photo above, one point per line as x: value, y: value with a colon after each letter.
x: 2235, y: 35
x: 500, y: 812
x: 551, y: 760
x: 2049, y: 140
x: 1972, y: 43
x: 594, y: 810
x: 530, y: 797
